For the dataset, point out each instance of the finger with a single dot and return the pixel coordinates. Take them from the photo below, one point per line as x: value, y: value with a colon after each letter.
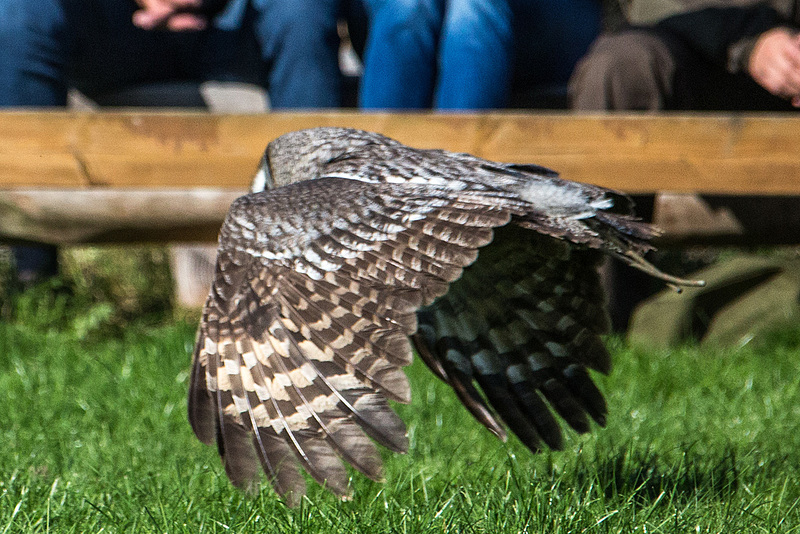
x: 784, y: 89
x: 182, y: 22
x: 169, y: 5
x: 791, y: 82
x: 157, y: 14
x: 151, y: 18
x: 168, y: 19
x: 783, y: 76
x: 775, y: 76
x: 185, y: 4
x: 792, y: 54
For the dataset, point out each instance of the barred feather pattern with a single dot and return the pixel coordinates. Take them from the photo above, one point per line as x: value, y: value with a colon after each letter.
x: 365, y: 246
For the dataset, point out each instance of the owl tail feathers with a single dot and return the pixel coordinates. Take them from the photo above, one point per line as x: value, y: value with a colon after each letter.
x: 628, y: 238
x: 635, y: 260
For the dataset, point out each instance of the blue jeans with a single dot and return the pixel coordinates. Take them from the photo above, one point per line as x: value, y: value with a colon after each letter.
x: 289, y: 47
x: 463, y: 54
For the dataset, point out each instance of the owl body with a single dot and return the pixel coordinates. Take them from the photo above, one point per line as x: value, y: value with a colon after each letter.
x: 362, y: 247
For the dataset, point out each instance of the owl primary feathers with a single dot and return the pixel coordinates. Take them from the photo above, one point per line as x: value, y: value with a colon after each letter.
x: 362, y: 248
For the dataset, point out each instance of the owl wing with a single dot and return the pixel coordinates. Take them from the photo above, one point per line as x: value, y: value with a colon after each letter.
x: 305, y: 332
x: 523, y: 323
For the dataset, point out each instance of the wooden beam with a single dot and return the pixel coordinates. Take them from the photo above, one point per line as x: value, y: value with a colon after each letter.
x: 708, y: 153
x: 103, y: 215
x: 88, y: 177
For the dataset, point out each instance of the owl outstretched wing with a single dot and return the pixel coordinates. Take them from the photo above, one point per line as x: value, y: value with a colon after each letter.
x: 322, y: 285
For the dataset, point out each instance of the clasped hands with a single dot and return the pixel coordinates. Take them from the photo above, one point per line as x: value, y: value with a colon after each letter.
x: 175, y: 15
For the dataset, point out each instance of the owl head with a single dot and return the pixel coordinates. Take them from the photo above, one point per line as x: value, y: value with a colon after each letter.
x: 302, y: 155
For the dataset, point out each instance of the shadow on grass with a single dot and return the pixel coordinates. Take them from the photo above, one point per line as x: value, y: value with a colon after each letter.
x: 645, y: 476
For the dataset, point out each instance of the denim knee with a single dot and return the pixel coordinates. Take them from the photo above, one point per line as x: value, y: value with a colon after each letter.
x: 405, y: 15
x: 299, y: 26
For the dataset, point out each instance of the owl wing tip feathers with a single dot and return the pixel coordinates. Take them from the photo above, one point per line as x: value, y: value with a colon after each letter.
x: 320, y: 283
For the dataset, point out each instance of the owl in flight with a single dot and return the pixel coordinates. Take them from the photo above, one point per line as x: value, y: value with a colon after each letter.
x: 361, y: 248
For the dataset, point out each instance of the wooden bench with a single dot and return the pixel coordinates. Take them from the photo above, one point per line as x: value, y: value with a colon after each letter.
x: 91, y: 177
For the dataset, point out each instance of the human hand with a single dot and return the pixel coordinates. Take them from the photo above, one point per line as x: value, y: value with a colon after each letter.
x: 775, y: 63
x: 173, y: 15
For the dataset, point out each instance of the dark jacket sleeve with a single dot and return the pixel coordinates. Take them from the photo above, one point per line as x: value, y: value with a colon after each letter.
x: 723, y: 36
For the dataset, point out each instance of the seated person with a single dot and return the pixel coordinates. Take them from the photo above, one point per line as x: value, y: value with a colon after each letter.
x: 103, y: 47
x: 708, y: 56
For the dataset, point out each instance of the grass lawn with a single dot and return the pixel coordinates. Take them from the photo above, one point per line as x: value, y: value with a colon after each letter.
x: 95, y: 439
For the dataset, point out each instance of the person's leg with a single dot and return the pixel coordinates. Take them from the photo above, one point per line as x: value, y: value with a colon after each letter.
x: 34, y: 50
x: 34, y: 53
x: 400, y: 53
x: 299, y: 42
x: 475, y: 56
x: 631, y: 70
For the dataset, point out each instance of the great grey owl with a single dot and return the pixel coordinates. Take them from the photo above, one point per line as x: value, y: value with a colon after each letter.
x: 362, y: 247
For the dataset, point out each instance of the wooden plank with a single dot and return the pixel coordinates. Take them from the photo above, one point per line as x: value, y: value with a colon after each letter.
x: 101, y: 215
x: 641, y: 153
x: 40, y: 149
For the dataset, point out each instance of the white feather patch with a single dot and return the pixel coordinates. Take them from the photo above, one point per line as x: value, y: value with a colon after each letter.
x: 562, y: 199
x: 314, y: 352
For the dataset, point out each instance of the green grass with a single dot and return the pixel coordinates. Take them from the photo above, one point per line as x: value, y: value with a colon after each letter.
x: 94, y: 438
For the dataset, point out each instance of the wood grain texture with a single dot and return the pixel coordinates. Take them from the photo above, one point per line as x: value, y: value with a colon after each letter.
x: 149, y: 160
x: 706, y: 153
x: 103, y: 215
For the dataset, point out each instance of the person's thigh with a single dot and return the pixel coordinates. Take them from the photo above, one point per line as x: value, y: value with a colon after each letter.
x: 400, y: 53
x: 630, y: 70
x: 298, y: 42
x: 475, y: 55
